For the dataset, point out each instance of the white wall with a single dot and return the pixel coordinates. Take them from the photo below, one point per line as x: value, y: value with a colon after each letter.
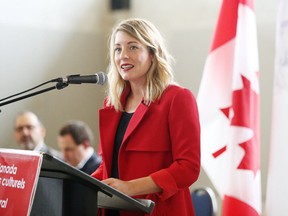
x: 41, y: 40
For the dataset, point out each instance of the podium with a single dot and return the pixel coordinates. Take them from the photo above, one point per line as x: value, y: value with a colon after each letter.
x: 63, y: 190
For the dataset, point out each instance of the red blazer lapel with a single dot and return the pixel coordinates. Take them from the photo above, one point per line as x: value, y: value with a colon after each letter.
x: 135, y: 120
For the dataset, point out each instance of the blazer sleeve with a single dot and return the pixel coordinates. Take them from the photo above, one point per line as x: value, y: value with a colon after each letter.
x: 98, y: 173
x: 185, y: 142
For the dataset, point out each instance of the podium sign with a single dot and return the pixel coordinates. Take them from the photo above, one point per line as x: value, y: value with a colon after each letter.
x: 19, y: 173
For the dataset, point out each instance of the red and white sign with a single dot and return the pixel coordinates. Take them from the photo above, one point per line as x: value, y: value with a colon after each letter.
x: 19, y: 174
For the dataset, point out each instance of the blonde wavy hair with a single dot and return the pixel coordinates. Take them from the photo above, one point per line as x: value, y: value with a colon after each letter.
x: 160, y: 74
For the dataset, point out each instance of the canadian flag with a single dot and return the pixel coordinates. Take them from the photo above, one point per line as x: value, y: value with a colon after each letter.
x: 228, y: 103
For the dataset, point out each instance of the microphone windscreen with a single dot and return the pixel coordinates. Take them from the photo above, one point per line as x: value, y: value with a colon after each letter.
x: 102, y: 78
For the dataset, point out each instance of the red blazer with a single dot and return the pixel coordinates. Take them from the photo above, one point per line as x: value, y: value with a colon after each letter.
x: 162, y: 140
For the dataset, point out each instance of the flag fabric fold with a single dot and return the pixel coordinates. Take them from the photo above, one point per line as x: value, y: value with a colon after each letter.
x: 228, y: 101
x: 277, y: 188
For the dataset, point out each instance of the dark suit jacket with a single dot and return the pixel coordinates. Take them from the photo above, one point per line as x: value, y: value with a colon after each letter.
x: 162, y: 140
x: 92, y: 164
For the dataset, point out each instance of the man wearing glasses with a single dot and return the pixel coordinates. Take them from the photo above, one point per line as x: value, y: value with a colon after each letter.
x: 29, y: 133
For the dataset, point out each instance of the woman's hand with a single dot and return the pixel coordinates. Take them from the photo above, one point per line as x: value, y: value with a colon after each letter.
x: 140, y: 186
x: 122, y: 186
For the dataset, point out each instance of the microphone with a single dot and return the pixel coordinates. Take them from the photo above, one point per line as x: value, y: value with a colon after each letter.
x: 99, y: 78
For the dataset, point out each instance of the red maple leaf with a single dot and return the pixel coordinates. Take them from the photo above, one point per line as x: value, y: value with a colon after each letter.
x: 245, y: 114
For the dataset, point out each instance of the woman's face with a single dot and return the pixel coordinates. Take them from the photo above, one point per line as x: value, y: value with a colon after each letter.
x: 132, y: 59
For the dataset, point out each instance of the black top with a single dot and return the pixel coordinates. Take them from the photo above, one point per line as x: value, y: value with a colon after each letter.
x: 123, y: 124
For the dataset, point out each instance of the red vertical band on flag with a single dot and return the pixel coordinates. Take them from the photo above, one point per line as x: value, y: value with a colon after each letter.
x: 226, y: 26
x: 235, y: 207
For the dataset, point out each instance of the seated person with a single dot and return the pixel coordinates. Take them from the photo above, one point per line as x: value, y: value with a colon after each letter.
x: 29, y: 133
x: 75, y: 142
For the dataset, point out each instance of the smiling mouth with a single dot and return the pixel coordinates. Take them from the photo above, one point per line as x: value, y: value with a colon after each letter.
x: 125, y: 67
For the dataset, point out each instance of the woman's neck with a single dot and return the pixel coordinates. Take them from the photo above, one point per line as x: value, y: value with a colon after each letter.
x: 134, y: 99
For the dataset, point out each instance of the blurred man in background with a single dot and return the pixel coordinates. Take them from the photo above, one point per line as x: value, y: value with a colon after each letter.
x: 75, y: 142
x: 29, y: 133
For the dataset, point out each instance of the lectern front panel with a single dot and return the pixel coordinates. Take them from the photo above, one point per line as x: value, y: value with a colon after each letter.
x: 63, y: 197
